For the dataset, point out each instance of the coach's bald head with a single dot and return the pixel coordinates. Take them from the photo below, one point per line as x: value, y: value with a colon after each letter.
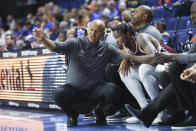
x: 96, y: 31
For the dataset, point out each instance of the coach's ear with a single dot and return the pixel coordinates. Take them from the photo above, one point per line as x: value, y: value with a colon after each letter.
x: 145, y: 16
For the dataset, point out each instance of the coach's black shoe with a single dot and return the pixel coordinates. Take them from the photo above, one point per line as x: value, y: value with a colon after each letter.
x: 147, y: 117
x: 100, y: 117
x: 72, y: 121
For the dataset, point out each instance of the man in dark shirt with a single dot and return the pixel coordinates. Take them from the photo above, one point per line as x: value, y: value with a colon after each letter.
x: 88, y: 58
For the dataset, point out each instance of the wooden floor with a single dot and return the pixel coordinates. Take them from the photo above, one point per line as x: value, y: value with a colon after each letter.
x: 16, y: 119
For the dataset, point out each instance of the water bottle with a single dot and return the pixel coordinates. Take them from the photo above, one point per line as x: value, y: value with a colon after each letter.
x: 188, y: 25
x: 187, y: 45
x: 189, y: 30
x: 80, y: 33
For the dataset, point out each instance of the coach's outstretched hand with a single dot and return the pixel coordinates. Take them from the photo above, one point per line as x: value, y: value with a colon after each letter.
x: 39, y: 33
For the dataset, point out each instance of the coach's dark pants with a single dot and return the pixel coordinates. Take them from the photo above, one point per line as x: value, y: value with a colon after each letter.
x: 67, y: 96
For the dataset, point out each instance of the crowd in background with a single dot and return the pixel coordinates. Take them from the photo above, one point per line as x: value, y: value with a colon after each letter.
x: 16, y: 34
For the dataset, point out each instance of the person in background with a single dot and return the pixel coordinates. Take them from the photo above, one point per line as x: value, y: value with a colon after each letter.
x: 31, y: 42
x: 62, y: 36
x: 19, y: 44
x: 54, y: 32
x: 121, y: 7
x: 83, y: 18
x: 162, y: 28
x: 2, y: 46
x: 105, y: 18
x: 63, y: 26
x: 10, y: 21
x: 97, y: 12
x: 126, y: 16
x: 71, y: 33
x: 112, y: 9
x: 115, y: 21
x: 10, y: 42
x: 141, y: 20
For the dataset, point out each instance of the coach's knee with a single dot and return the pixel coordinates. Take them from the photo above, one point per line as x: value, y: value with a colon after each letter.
x: 113, y: 93
x: 61, y: 96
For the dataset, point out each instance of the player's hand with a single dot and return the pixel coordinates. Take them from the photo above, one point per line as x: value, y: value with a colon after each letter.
x: 124, y: 51
x: 124, y: 67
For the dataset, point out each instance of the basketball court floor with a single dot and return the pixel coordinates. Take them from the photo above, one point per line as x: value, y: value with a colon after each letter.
x: 17, y: 119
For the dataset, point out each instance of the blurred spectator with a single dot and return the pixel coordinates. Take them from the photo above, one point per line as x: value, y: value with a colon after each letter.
x: 63, y: 25
x: 74, y: 13
x: 72, y: 22
x: 105, y: 18
x: 29, y: 17
x: 71, y: 33
x: 97, y: 13
x: 10, y: 42
x: 112, y: 9
x: 1, y: 22
x: 5, y: 30
x: 19, y: 44
x: 24, y: 31
x: 90, y: 10
x: 17, y: 28
x: 162, y: 28
x: 27, y: 28
x: 2, y: 46
x: 49, y: 6
x: 126, y: 16
x: 115, y: 21
x: 83, y: 18
x: 37, y: 22
x: 54, y: 32
x: 48, y: 23
x: 32, y: 43
x: 56, y: 13
x: 121, y: 7
x: 41, y: 11
x: 10, y: 21
x: 66, y: 16
x: 62, y: 36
